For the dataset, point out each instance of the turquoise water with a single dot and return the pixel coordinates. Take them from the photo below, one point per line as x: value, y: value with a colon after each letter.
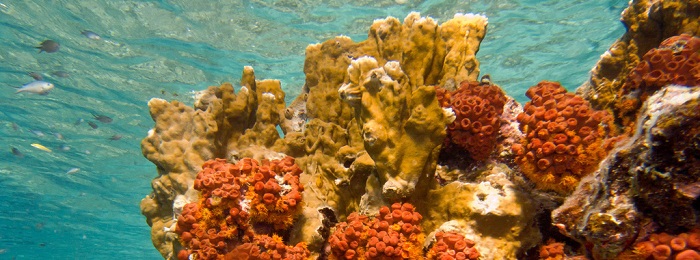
x: 168, y: 48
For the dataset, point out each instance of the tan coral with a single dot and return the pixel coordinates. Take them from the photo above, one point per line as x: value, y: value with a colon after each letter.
x: 402, y: 129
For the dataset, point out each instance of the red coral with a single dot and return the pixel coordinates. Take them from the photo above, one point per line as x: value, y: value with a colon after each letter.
x: 563, y: 137
x: 276, y: 194
x: 665, y: 246
x: 232, y: 198
x: 477, y: 107
x: 675, y: 61
x: 393, y: 233
x: 552, y: 251
x: 451, y: 245
x: 268, y: 247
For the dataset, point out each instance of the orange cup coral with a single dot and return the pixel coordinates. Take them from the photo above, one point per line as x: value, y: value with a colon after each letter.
x: 478, y: 108
x: 393, y: 233
x: 234, y: 196
x: 563, y: 137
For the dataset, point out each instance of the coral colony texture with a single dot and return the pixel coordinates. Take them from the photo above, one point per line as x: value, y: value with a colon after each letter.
x: 477, y: 107
x: 396, y: 149
x: 563, y: 137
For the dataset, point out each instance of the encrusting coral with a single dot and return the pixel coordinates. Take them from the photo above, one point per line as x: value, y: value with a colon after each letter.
x: 268, y: 247
x: 676, y: 61
x: 451, y: 245
x: 477, y: 107
x: 235, y: 198
x: 564, y: 137
x: 394, y: 233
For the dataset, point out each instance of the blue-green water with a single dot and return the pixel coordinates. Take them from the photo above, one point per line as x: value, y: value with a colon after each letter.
x: 167, y: 48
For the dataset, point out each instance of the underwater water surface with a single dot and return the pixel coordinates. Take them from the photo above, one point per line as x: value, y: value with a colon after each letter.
x: 81, y: 200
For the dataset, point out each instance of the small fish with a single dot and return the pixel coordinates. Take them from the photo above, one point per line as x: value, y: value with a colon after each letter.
x: 36, y: 87
x: 17, y: 153
x: 87, y: 152
x: 102, y: 118
x: 15, y: 126
x: 38, y: 133
x: 48, y: 46
x: 60, y: 74
x: 41, y: 147
x: 91, y: 35
x: 36, y: 76
x: 58, y: 136
x: 486, y: 80
x: 64, y: 147
x: 73, y: 170
x: 92, y: 124
x: 79, y: 121
x: 115, y: 137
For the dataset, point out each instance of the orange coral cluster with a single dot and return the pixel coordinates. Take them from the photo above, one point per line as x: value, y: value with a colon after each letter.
x: 564, y: 137
x: 477, y: 107
x: 268, y: 247
x: 552, y: 251
x: 229, y: 204
x: 275, y: 193
x: 665, y: 246
x: 675, y: 61
x: 450, y: 245
x: 394, y: 233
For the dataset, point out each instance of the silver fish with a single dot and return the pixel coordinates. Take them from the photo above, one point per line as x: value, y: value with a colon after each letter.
x: 38, y: 133
x: 91, y: 35
x: 73, y: 170
x: 36, y: 87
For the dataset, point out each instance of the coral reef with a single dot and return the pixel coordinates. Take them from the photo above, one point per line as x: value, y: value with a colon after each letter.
x: 368, y: 127
x: 648, y: 23
x: 340, y: 174
x: 564, y: 137
x: 235, y: 197
x: 477, y: 107
x: 676, y: 61
x: 393, y: 233
x: 650, y: 177
x: 452, y: 245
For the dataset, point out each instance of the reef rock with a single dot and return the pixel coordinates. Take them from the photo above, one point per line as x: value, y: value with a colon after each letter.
x: 491, y: 210
x: 648, y: 23
x: 652, y: 177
